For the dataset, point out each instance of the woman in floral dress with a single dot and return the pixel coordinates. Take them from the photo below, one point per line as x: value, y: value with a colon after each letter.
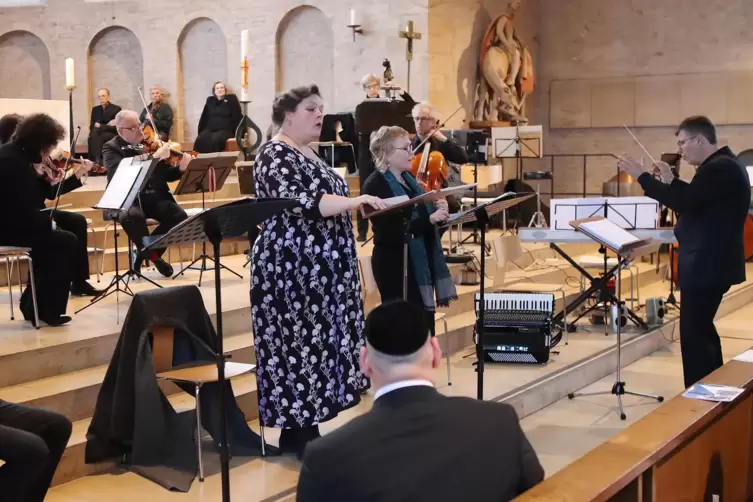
x: 306, y: 305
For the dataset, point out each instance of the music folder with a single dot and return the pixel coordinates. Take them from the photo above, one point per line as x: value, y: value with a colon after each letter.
x: 129, y: 179
x: 403, y: 201
x: 614, y: 237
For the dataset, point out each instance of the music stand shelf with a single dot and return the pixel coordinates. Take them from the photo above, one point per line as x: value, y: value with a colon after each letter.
x: 220, y: 223
x: 482, y: 214
x: 206, y: 173
x: 619, y: 241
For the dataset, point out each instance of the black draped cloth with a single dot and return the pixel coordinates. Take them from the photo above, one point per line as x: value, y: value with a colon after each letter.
x: 218, y: 123
x: 134, y: 418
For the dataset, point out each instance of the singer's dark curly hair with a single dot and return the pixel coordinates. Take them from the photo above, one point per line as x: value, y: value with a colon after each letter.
x: 287, y: 102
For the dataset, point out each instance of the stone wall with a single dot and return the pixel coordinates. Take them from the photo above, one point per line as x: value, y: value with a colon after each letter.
x: 686, y: 44
x: 182, y: 51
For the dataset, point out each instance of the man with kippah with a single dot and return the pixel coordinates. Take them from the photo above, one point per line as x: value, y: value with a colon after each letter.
x: 417, y: 444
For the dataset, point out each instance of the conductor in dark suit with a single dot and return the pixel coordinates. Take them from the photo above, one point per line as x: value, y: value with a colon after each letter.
x: 102, y: 125
x: 712, y: 209
x: 416, y: 444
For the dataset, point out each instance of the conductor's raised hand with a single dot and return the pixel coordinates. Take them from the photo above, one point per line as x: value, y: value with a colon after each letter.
x: 664, y: 171
x: 370, y: 200
x: 630, y: 166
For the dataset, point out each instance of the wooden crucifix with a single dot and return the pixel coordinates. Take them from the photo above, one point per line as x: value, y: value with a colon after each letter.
x: 409, y: 35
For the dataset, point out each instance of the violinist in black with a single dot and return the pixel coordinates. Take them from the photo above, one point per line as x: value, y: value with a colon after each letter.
x: 50, y: 188
x: 155, y: 201
x: 21, y: 195
x: 219, y: 120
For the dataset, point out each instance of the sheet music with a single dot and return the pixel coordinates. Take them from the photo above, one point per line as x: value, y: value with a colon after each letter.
x: 121, y: 184
x: 609, y: 233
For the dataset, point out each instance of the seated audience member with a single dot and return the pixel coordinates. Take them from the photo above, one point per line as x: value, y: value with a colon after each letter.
x: 219, y: 120
x: 32, y: 441
x: 102, y: 125
x: 161, y: 112
x: 416, y: 444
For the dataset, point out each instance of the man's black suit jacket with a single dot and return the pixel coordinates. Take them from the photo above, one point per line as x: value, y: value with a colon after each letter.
x: 117, y: 149
x: 103, y: 116
x: 712, y: 211
x: 417, y: 445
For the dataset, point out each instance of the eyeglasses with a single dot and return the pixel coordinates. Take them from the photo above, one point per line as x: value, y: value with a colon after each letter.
x: 133, y: 128
x: 682, y: 142
x: 424, y: 119
x: 407, y: 148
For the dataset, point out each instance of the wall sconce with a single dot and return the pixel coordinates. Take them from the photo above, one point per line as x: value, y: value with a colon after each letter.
x: 355, y: 26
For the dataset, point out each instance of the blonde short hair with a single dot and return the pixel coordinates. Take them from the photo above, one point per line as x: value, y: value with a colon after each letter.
x: 368, y: 80
x: 383, y: 144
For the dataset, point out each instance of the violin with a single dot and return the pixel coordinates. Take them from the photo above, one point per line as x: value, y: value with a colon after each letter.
x: 65, y: 162
x: 151, y: 144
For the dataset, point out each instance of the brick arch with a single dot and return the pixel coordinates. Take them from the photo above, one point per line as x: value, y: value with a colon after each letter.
x: 202, y: 60
x: 116, y: 61
x: 304, y: 51
x: 26, y: 59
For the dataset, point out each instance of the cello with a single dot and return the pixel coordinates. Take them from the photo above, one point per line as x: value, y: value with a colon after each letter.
x: 431, y: 174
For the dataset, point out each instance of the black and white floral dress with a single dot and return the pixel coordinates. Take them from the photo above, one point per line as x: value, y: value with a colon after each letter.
x: 306, y: 305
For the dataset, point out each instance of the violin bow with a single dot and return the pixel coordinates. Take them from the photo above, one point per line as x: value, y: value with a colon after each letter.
x: 440, y: 126
x: 65, y: 168
x: 149, y: 116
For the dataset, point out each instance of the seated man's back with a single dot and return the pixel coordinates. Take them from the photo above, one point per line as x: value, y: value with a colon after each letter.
x: 418, y: 445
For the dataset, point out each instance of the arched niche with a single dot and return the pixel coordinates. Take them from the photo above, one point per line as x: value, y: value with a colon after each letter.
x: 304, y: 48
x: 116, y: 62
x: 26, y: 66
x: 202, y: 61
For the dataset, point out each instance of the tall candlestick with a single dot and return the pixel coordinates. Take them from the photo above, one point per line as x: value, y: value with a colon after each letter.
x: 244, y: 66
x: 353, y: 17
x: 70, y: 80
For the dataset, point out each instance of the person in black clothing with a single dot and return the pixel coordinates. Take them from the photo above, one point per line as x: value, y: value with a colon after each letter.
x: 712, y: 209
x: 161, y: 112
x: 371, y: 84
x: 32, y: 441
x: 219, y: 120
x: 426, y: 121
x: 64, y: 220
x: 155, y: 201
x: 102, y: 125
x: 21, y: 194
x: 428, y: 276
x: 391, y: 452
x: 8, y: 124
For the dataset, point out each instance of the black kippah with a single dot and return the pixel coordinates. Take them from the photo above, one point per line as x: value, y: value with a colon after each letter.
x: 397, y: 328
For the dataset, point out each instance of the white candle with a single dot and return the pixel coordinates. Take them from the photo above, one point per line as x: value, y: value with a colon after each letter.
x: 244, y: 66
x: 70, y: 80
x: 353, y: 17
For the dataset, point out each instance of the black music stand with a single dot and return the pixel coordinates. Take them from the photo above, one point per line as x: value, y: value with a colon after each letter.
x: 598, y: 288
x: 626, y: 252
x: 206, y: 173
x: 481, y: 215
x: 215, y: 225
x: 673, y: 159
x: 129, y: 180
x: 405, y: 205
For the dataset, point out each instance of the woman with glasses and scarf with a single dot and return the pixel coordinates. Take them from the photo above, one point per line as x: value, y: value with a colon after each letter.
x: 429, y: 282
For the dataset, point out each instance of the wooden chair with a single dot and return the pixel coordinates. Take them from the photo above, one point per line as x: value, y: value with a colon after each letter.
x: 11, y: 252
x: 163, y: 338
x: 370, y: 291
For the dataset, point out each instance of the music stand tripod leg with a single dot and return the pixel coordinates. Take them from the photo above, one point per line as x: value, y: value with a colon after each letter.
x: 618, y: 388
